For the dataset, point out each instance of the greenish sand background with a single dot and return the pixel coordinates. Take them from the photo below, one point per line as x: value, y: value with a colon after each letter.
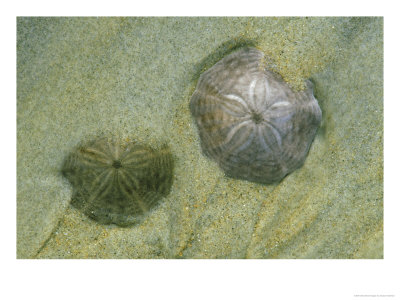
x: 133, y: 77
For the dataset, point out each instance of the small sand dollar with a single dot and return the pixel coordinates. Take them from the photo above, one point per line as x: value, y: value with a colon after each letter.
x: 118, y: 182
x: 250, y: 121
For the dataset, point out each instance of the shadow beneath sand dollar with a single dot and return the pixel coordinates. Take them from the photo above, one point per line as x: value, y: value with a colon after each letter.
x: 224, y: 49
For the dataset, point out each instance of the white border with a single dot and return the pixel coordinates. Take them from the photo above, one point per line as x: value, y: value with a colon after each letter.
x: 198, y: 279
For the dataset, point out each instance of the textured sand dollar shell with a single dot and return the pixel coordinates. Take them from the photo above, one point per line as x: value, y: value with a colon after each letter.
x: 117, y: 182
x: 250, y: 121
